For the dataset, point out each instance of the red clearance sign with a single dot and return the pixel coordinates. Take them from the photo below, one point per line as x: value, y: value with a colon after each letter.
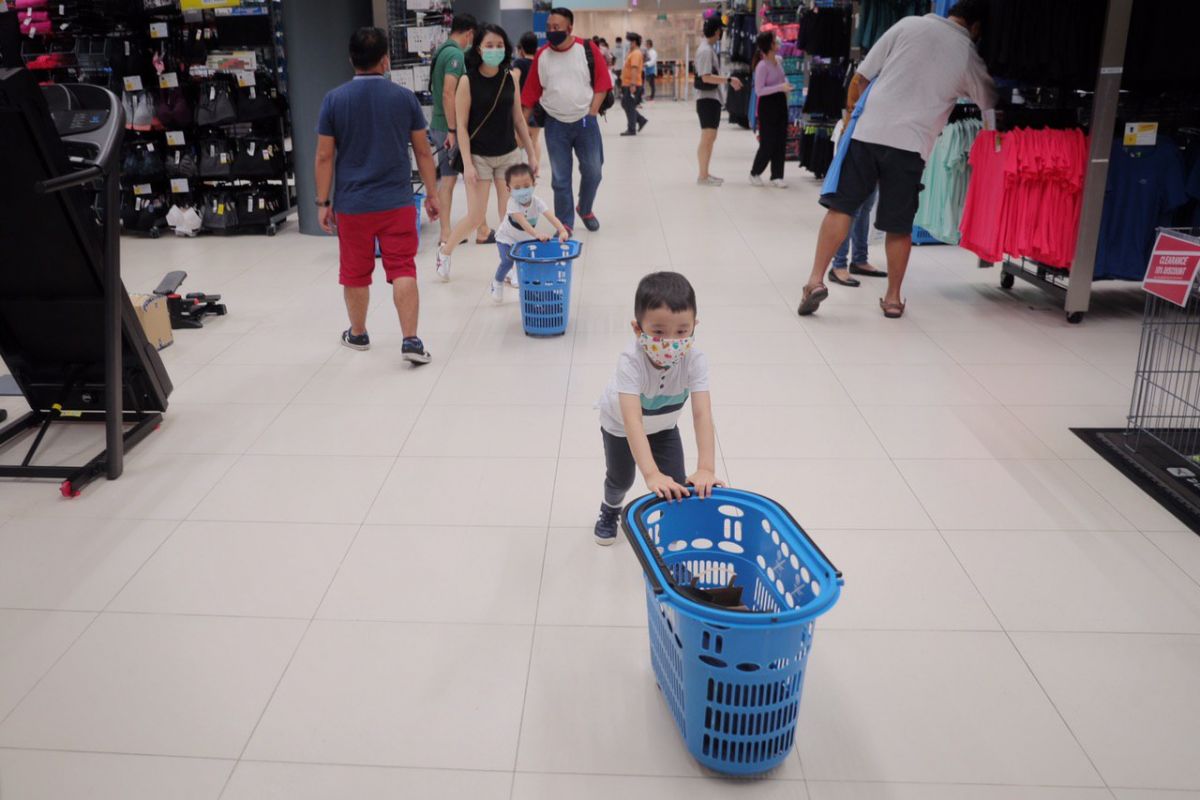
x: 1173, y: 267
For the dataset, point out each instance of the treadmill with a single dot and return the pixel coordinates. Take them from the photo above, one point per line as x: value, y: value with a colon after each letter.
x: 68, y: 333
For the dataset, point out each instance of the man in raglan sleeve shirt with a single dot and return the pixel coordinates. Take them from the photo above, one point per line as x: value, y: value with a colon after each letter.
x: 901, y: 97
x: 571, y: 93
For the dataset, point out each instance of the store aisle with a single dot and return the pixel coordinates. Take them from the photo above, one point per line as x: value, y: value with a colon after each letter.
x: 329, y: 575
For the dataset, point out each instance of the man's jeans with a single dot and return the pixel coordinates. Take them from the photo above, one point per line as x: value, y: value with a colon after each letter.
x: 583, y: 139
x: 859, y: 230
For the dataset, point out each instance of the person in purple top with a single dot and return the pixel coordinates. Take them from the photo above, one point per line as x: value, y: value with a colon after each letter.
x: 772, y: 88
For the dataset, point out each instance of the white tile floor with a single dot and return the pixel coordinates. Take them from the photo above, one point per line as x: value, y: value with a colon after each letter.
x: 330, y: 575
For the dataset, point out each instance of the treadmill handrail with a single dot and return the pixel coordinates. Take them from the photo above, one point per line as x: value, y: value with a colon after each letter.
x: 77, y: 178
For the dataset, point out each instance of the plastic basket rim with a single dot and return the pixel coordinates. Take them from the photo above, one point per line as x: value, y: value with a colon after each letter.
x: 573, y: 253
x: 655, y: 569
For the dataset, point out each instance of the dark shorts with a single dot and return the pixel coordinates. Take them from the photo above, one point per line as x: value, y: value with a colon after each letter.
x: 708, y: 109
x: 537, y: 117
x: 896, y: 172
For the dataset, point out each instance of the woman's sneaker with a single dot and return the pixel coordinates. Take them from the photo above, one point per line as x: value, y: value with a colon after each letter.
x: 606, y: 525
x: 360, y: 342
x: 443, y: 265
x: 414, y: 351
x: 756, y: 180
x: 778, y: 183
x: 497, y: 292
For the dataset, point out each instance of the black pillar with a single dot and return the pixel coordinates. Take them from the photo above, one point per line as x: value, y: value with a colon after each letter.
x: 317, y: 34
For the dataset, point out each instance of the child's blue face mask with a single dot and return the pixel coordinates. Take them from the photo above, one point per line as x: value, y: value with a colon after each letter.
x: 523, y: 196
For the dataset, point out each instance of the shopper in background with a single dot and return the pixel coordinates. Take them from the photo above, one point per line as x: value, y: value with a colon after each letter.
x: 651, y: 67
x: 642, y: 403
x: 491, y: 125
x: 572, y: 94
x: 844, y: 266
x: 363, y: 135
x: 449, y: 63
x: 631, y: 87
x: 708, y: 99
x: 526, y: 49
x: 619, y: 52
x: 773, y: 89
x: 902, y: 96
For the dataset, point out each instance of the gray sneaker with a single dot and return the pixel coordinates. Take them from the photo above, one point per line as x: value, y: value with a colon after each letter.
x: 711, y: 180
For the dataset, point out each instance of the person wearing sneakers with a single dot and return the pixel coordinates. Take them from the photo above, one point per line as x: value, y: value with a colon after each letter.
x: 570, y: 79
x: 632, y: 78
x: 363, y: 135
x: 901, y: 98
x: 709, y: 99
x: 772, y: 88
x: 520, y: 225
x: 641, y: 405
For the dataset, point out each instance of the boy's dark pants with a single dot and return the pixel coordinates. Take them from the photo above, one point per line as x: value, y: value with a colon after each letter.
x: 621, y: 469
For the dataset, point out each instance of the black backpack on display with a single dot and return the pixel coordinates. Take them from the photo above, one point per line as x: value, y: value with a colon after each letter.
x: 257, y: 157
x: 257, y: 206
x: 216, y: 158
x: 142, y: 162
x: 219, y: 212
x: 216, y: 103
x: 609, y: 100
x: 260, y: 101
x: 181, y: 162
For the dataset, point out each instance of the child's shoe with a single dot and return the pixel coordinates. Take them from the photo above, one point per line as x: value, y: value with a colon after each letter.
x: 606, y: 525
x: 497, y: 292
x: 512, y: 279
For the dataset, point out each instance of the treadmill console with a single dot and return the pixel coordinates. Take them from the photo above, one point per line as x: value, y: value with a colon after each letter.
x: 74, y: 122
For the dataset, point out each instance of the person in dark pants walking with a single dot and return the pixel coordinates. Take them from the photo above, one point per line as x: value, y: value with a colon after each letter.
x: 773, y: 90
x: 631, y: 87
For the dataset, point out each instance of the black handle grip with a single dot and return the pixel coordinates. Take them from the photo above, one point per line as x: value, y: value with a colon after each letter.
x: 639, y: 551
x: 52, y: 185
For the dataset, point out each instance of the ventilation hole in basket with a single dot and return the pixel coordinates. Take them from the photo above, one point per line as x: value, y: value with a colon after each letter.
x: 731, y: 511
x: 783, y: 548
x: 805, y: 575
x: 728, y: 529
x: 816, y: 589
x: 653, y: 517
x: 791, y: 601
x: 795, y: 562
x: 762, y: 563
x: 678, y: 642
x: 720, y: 643
x: 702, y: 544
x: 705, y: 640
x: 748, y: 667
x: 775, y: 537
x: 713, y: 662
x: 779, y: 586
x: 677, y: 545
x: 731, y: 547
x: 771, y: 573
x: 737, y: 530
x: 766, y: 526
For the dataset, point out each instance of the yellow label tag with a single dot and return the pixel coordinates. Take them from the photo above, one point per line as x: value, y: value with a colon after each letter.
x: 1141, y: 134
x: 220, y: 208
x: 133, y: 83
x: 168, y: 80
x: 74, y: 414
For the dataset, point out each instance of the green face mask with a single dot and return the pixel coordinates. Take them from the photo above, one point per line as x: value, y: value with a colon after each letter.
x: 493, y: 57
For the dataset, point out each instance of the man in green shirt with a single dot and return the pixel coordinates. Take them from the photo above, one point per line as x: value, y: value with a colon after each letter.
x: 449, y: 64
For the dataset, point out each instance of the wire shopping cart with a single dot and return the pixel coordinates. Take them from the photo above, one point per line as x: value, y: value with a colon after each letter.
x: 544, y: 272
x: 732, y: 678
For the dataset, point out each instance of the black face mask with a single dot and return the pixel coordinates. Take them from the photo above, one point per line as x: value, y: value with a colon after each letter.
x: 556, y: 38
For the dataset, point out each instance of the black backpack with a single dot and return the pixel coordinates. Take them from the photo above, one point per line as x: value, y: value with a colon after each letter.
x: 609, y: 100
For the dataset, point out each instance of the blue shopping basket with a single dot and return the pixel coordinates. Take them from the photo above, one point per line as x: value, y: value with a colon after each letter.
x: 544, y: 272
x: 732, y: 679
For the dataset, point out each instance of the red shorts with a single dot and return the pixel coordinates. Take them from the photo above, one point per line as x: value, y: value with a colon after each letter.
x: 396, y: 230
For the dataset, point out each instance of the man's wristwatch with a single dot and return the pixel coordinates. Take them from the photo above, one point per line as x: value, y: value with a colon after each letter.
x: 324, y: 204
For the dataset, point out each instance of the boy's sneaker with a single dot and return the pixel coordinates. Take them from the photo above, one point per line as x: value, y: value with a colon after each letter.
x: 360, y: 342
x: 513, y: 280
x: 589, y: 221
x: 414, y: 351
x: 443, y: 266
x: 606, y: 525
x: 497, y: 292
x: 756, y: 180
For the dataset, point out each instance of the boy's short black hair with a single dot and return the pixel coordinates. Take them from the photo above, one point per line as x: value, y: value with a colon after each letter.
x: 529, y: 42
x: 659, y: 289
x: 971, y: 11
x: 463, y: 22
x: 563, y: 12
x: 712, y: 26
x: 516, y: 171
x: 368, y: 46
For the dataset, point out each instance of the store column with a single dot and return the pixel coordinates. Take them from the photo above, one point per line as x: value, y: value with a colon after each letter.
x: 317, y: 33
x: 516, y: 17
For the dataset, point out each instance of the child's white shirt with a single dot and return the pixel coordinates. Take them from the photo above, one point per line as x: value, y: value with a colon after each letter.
x: 510, y: 234
x: 663, y: 392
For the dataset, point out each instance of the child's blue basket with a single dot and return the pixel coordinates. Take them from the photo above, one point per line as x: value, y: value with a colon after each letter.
x: 544, y: 272
x: 732, y: 679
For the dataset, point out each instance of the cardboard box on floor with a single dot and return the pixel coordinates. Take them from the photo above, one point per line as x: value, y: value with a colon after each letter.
x: 156, y: 320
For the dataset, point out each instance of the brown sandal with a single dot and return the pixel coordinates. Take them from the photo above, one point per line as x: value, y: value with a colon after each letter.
x: 892, y: 310
x: 812, y: 299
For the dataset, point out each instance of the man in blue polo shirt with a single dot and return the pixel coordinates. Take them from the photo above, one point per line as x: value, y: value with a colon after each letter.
x: 364, y: 132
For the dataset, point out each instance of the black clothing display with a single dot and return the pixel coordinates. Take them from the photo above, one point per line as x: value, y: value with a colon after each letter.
x: 491, y: 120
x: 741, y: 33
x: 1044, y: 43
x: 1161, y: 49
x: 877, y: 16
x: 816, y: 149
x: 826, y: 91
x: 825, y: 31
x: 772, y: 135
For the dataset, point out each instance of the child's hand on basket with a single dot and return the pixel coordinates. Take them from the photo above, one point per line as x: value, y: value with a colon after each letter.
x: 542, y: 237
x: 704, y: 480
x: 665, y: 487
x: 564, y: 235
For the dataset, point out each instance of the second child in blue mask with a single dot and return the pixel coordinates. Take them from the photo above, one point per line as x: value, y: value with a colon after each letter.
x: 520, y: 224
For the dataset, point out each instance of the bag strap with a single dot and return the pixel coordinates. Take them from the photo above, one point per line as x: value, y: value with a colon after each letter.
x: 495, y: 103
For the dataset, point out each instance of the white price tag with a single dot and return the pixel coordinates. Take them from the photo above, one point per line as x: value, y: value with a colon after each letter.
x: 168, y: 80
x: 1141, y: 134
x: 149, y: 147
x: 287, y: 144
x: 143, y: 189
x: 158, y: 30
x: 180, y: 186
x: 245, y: 79
x: 176, y: 139
x: 133, y: 83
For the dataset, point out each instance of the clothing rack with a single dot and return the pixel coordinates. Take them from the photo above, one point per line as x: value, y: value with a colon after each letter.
x: 416, y: 29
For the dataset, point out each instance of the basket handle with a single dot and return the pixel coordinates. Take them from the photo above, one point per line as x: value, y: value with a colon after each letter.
x: 549, y: 259
x: 639, y: 551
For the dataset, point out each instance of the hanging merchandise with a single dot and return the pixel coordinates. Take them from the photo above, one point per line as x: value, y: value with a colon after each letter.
x: 816, y: 148
x: 1024, y: 195
x: 825, y: 31
x: 876, y: 16
x: 826, y: 90
x: 1145, y: 185
x: 1048, y: 43
x: 945, y: 181
x: 1161, y: 49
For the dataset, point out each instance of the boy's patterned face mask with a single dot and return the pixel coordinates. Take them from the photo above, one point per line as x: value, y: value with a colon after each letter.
x: 664, y: 353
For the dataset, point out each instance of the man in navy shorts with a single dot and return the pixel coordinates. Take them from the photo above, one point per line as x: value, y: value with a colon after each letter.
x: 364, y: 132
